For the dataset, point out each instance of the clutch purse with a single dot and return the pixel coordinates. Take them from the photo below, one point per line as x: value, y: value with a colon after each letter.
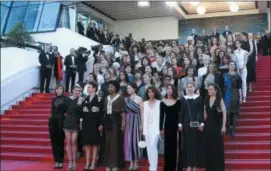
x: 142, y: 143
x: 194, y: 124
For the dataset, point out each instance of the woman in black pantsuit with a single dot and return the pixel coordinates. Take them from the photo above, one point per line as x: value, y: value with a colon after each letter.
x: 91, y: 124
x: 59, y: 107
x: 169, y: 123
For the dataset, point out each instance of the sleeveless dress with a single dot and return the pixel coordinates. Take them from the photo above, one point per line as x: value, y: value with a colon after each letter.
x: 132, y: 135
x: 214, y: 140
x: 71, y: 121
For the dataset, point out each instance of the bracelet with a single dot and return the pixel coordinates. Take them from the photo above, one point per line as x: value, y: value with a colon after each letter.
x: 202, y: 124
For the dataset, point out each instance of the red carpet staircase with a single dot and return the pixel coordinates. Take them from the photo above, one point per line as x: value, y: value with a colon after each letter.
x: 25, y: 137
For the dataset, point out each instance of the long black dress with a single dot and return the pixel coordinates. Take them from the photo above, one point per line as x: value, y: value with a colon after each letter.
x: 92, y: 115
x: 169, y: 116
x: 215, y: 160
x: 59, y: 107
x: 193, y: 139
x: 251, y: 65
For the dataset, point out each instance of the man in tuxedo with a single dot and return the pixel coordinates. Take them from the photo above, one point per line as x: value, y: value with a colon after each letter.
x: 46, y: 61
x: 80, y: 62
x: 205, y: 38
x: 70, y: 63
x: 215, y: 34
x: 80, y: 27
x: 226, y: 32
x: 194, y: 35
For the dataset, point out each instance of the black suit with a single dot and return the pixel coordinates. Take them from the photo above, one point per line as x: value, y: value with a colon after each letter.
x: 80, y: 62
x: 195, y: 37
x: 70, y: 72
x: 226, y: 33
x: 205, y: 39
x: 216, y: 34
x: 45, y: 73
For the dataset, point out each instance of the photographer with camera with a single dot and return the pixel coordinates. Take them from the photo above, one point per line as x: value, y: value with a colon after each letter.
x: 81, y: 59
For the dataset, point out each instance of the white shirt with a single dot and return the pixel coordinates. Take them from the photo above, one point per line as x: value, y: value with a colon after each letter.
x: 240, y: 58
x: 202, y: 71
x: 72, y: 60
x: 151, y: 118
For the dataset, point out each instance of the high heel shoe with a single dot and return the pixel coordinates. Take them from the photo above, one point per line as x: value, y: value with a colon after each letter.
x: 70, y: 166
x: 74, y: 165
x: 131, y: 167
x: 135, y: 168
x: 86, y: 167
x: 56, y: 165
x: 92, y: 167
x: 60, y: 165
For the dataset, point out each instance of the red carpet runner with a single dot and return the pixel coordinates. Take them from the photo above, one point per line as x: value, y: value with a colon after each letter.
x: 24, y: 131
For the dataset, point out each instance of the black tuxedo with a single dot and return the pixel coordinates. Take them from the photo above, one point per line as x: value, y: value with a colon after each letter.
x: 225, y: 33
x: 92, y: 33
x: 205, y: 39
x: 80, y: 62
x: 216, y: 34
x: 70, y: 71
x: 45, y: 72
x: 195, y: 37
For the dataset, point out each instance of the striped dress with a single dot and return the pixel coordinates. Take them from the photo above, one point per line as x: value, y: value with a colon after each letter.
x: 132, y: 134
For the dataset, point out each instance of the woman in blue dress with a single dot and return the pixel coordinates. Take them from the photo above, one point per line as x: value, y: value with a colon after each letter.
x: 232, y: 96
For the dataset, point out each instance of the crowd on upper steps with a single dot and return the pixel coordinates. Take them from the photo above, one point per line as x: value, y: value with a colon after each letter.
x: 174, y: 99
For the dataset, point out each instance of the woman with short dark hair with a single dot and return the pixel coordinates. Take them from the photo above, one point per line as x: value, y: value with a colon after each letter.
x: 114, y: 124
x: 58, y: 109
x: 91, y: 124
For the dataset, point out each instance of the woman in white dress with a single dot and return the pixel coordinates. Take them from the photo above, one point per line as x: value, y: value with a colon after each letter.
x: 152, y: 125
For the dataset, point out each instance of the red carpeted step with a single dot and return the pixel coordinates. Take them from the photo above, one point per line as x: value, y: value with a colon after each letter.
x: 255, y: 108
x: 254, y: 129
x: 24, y: 121
x: 258, y: 145
x: 257, y: 103
x: 254, y: 164
x: 27, y: 128
x: 25, y: 141
x: 248, y: 154
x: 252, y: 137
x: 26, y: 149
x: 255, y: 115
x: 22, y: 134
x: 258, y: 98
x: 253, y: 122
x: 28, y: 116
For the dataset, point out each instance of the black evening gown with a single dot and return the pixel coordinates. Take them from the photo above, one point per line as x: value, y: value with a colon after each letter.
x: 251, y: 65
x: 169, y: 117
x: 193, y: 138
x: 214, y: 145
x: 92, y: 115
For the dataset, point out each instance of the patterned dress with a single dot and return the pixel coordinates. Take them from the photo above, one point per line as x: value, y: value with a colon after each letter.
x: 132, y: 134
x: 231, y: 95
